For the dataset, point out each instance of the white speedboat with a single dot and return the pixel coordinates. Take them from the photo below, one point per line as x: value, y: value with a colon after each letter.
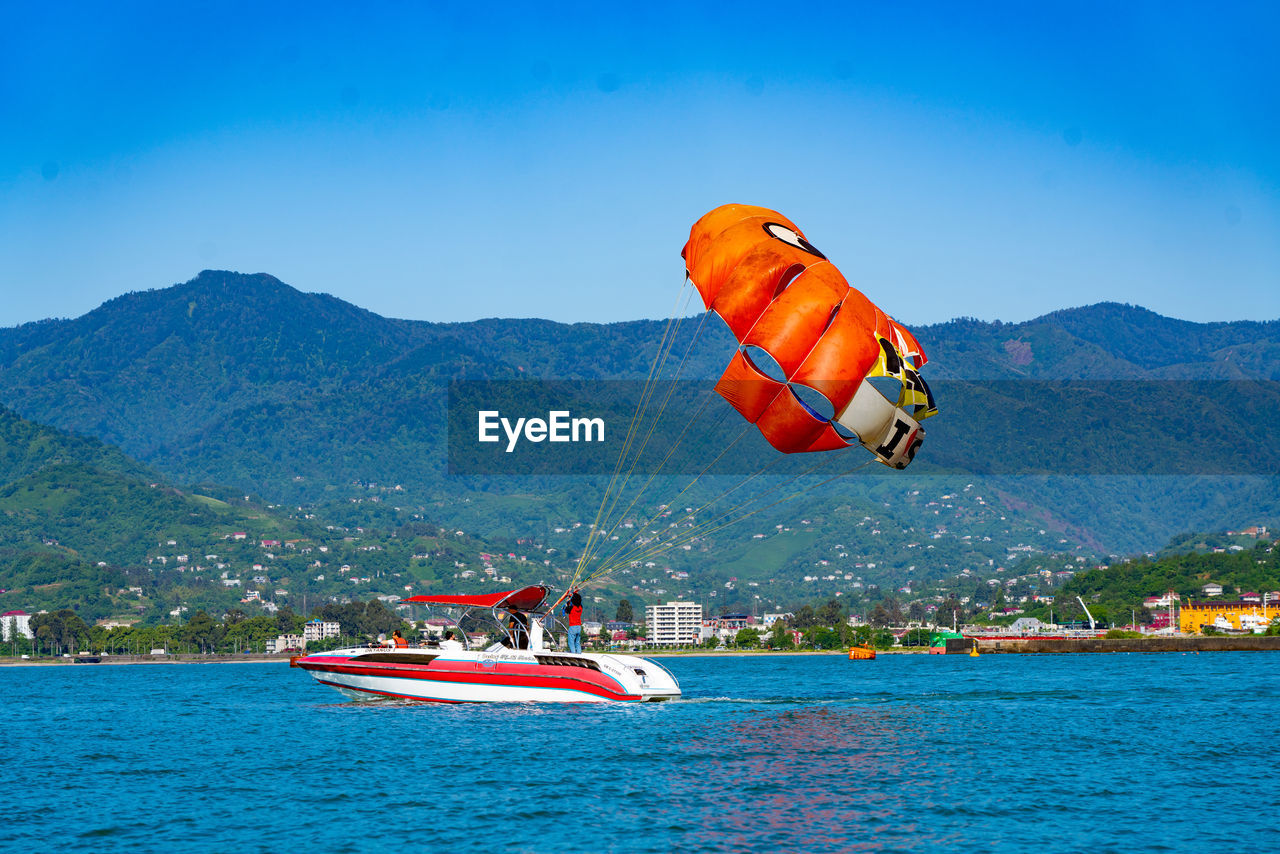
x: 521, y: 669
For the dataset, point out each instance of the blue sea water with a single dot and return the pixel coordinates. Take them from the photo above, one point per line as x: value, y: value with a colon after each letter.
x: 1003, y: 753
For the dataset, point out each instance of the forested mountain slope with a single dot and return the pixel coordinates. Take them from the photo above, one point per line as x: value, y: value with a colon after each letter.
x: 245, y: 381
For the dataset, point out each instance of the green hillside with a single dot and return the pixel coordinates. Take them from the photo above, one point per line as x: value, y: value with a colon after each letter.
x: 339, y: 414
x: 1113, y: 593
x: 84, y: 527
x: 27, y: 447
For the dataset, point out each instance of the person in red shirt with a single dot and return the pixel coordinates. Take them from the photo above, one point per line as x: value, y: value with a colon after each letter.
x: 573, y: 609
x: 398, y: 639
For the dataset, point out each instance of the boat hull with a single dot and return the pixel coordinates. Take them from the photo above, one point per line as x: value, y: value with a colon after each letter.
x: 504, y: 676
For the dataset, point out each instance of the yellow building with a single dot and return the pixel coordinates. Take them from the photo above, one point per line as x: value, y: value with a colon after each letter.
x: 1226, y: 616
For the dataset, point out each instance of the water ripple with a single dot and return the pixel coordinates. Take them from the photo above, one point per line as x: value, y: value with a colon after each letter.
x: 797, y: 754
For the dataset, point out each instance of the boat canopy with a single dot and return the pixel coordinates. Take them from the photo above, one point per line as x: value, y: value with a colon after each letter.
x: 524, y: 599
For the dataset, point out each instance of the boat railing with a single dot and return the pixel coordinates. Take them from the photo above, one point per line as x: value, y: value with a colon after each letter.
x: 660, y: 666
x: 549, y: 623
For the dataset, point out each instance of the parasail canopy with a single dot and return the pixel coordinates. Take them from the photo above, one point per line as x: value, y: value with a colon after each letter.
x: 808, y: 343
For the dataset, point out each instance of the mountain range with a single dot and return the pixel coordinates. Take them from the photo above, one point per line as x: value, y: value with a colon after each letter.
x: 234, y: 383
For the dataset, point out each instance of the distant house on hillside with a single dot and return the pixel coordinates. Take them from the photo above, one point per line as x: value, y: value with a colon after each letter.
x: 116, y: 623
x: 1211, y: 589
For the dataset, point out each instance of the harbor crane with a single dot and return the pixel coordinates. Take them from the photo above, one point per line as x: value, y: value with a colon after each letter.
x: 1092, y: 625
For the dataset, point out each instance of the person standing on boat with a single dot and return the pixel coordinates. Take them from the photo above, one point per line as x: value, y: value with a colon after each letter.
x: 398, y: 640
x: 518, y: 628
x: 573, y: 609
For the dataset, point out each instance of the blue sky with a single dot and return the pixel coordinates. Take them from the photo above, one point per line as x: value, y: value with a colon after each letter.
x: 451, y: 161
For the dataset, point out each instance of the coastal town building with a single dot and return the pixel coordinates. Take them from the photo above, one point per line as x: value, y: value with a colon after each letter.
x: 110, y: 623
x: 673, y: 623
x: 736, y: 622
x: 15, y: 624
x: 725, y: 627
x: 285, y: 643
x: 1218, y: 615
x: 436, y: 626
x: 316, y: 630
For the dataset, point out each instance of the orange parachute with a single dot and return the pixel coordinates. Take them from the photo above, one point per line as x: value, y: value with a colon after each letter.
x: 807, y: 341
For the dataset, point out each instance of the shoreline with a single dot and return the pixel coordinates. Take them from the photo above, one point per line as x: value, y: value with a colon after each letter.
x: 274, y: 659
x: 986, y: 646
x: 742, y: 653
x: 123, y: 660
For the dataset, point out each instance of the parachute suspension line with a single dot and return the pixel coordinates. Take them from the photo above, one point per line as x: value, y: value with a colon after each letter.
x: 622, y: 553
x: 629, y: 551
x: 657, y: 417
x: 622, y: 517
x: 741, y: 434
x: 664, y: 346
x: 617, y: 488
x: 613, y: 491
x: 621, y: 486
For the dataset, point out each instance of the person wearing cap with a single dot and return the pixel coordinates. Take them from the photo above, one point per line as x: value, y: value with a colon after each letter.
x: 517, y: 629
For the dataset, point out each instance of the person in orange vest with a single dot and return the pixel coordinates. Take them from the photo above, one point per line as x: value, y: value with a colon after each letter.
x: 398, y: 640
x: 573, y: 609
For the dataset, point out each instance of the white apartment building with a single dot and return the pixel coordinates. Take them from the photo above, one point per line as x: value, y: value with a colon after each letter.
x: 15, y: 623
x: 284, y: 642
x: 316, y: 630
x: 673, y: 623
